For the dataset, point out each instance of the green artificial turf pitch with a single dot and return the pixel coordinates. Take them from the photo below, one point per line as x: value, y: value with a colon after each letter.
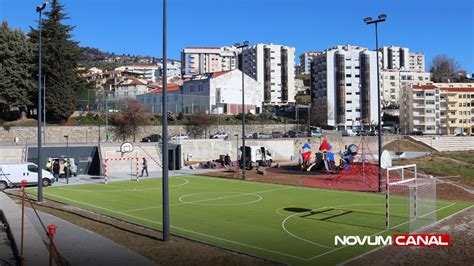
x: 294, y: 225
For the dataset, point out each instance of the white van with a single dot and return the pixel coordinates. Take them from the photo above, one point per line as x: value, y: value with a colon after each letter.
x: 12, y: 174
x: 257, y: 156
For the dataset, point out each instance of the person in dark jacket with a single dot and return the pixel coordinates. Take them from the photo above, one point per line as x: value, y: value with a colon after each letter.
x: 56, y: 169
x: 144, y: 167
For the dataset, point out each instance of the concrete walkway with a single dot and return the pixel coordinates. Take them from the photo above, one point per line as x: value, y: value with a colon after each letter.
x: 83, y: 247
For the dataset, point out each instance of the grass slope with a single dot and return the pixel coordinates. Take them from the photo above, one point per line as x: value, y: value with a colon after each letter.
x: 293, y: 225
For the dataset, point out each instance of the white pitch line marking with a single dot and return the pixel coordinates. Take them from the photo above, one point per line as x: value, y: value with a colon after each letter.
x: 381, y: 232
x: 180, y: 228
x: 211, y: 199
x: 186, y: 181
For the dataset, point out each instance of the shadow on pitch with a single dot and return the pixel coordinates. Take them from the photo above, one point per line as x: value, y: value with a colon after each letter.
x: 357, y: 218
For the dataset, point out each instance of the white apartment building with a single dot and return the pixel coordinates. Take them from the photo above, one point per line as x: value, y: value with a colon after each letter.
x: 129, y: 88
x: 221, y: 93
x: 273, y: 66
x: 423, y: 108
x: 201, y: 60
x: 395, y: 57
x: 148, y: 72
x: 344, y: 87
x: 305, y: 61
x: 393, y: 80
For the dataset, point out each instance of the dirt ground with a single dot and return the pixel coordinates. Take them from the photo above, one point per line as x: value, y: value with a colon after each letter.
x: 444, y: 191
x: 460, y: 252
x: 148, y: 242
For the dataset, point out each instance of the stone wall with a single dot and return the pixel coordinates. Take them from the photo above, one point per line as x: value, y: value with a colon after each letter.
x: 90, y: 134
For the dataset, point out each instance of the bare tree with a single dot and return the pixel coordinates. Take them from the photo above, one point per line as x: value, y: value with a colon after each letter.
x: 444, y: 69
x: 199, y: 123
x: 127, y: 122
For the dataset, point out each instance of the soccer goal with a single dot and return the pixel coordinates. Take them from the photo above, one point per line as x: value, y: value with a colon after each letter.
x: 410, y: 200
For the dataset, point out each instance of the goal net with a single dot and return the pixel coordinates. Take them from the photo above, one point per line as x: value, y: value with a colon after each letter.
x: 410, y: 199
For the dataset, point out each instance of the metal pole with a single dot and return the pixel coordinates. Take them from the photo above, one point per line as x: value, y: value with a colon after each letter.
x: 164, y: 152
x: 44, y: 109
x: 106, y: 118
x: 378, y: 106
x: 67, y: 160
x: 40, y: 148
x: 243, y: 116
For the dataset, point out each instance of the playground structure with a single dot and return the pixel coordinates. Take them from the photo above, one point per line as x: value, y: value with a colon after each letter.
x: 356, y: 168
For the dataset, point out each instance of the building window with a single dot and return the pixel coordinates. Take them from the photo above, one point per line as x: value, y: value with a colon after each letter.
x: 431, y: 102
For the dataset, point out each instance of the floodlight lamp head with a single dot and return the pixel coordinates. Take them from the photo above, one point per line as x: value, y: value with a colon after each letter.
x: 246, y: 43
x: 237, y: 44
x: 367, y: 19
x: 41, y: 7
x: 383, y: 16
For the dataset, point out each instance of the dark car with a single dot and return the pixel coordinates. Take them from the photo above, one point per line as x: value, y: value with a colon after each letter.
x: 290, y: 134
x: 277, y: 134
x: 373, y: 133
x: 152, y: 138
x: 416, y: 133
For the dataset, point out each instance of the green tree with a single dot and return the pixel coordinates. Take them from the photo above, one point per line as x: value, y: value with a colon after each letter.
x: 60, y: 60
x: 16, y: 81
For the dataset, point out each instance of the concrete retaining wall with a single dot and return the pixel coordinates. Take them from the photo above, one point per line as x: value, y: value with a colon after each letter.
x: 90, y: 134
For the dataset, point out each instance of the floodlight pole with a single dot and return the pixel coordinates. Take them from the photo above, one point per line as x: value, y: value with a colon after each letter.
x: 164, y: 152
x: 368, y: 21
x: 245, y: 44
x: 39, y: 9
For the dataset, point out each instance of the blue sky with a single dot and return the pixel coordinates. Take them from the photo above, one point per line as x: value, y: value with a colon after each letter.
x: 134, y: 26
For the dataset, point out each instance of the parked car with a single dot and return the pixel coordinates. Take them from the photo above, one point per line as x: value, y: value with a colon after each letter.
x: 72, y: 165
x: 220, y: 135
x: 301, y: 134
x: 290, y: 134
x: 374, y: 133
x: 416, y: 133
x: 152, y: 138
x: 180, y: 136
x: 461, y: 134
x: 315, y: 132
x: 11, y: 175
x: 362, y: 132
x: 261, y: 136
x: 277, y: 134
x: 348, y: 132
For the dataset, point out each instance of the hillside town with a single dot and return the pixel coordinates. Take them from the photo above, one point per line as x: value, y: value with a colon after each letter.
x: 341, y: 83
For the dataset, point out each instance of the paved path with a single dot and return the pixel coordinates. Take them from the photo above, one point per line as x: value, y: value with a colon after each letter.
x: 83, y: 247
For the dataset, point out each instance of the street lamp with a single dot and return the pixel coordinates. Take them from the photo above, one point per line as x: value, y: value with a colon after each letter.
x: 40, y: 9
x: 242, y: 46
x: 368, y: 21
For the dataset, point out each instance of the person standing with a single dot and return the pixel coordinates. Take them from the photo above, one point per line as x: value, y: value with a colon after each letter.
x: 49, y: 166
x: 144, y: 167
x: 56, y: 169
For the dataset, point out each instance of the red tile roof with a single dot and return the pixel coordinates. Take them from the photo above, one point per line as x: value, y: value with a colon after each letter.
x: 424, y: 87
x: 460, y: 89
x: 159, y: 89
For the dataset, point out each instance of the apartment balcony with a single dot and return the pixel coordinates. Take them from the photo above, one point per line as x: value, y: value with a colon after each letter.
x: 418, y: 122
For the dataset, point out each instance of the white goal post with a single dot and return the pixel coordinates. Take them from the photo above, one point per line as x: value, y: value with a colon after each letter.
x: 106, y: 162
x: 410, y: 200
